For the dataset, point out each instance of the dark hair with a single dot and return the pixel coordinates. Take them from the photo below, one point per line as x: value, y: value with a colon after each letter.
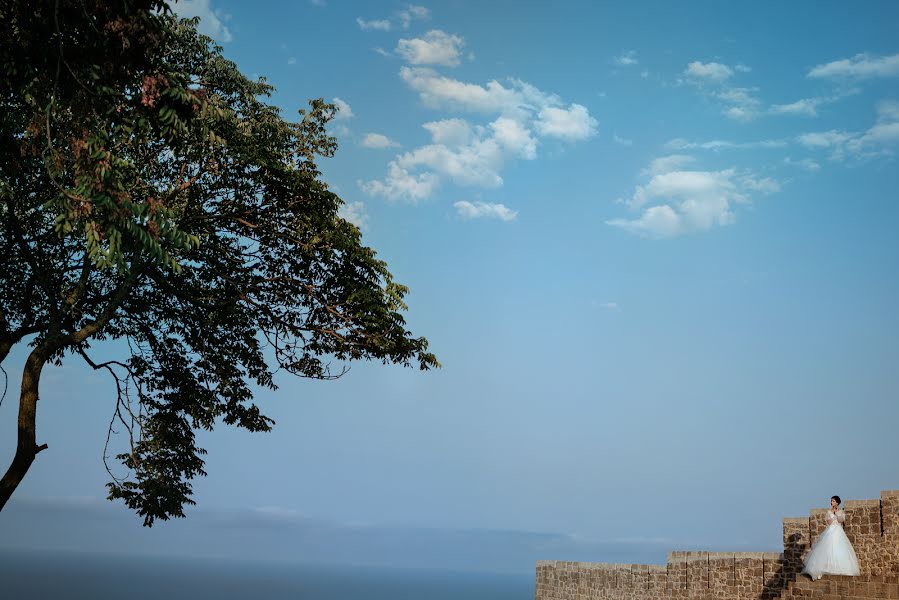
x: 837, y: 498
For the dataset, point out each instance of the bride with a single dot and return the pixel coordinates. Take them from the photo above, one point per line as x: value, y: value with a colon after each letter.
x: 832, y: 553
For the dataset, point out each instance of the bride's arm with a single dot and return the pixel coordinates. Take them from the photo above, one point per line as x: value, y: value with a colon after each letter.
x: 841, y: 515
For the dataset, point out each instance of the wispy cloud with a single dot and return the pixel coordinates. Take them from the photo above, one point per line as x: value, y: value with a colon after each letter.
x: 481, y: 210
x: 712, y: 79
x: 434, y: 48
x: 412, y: 13
x: 344, y: 112
x: 373, y: 25
x: 740, y: 103
x: 715, y: 145
x: 667, y: 164
x: 806, y: 107
x: 824, y: 139
x: 676, y: 202
x: 804, y: 163
x: 475, y: 155
x: 710, y: 71
x: 627, y: 59
x: 878, y: 140
x: 883, y: 135
x: 860, y: 66
x: 404, y: 18
x: 377, y: 141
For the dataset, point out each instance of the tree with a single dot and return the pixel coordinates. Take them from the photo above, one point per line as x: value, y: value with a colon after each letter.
x: 150, y: 198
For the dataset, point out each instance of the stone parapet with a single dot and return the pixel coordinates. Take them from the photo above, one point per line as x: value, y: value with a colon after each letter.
x: 871, y: 525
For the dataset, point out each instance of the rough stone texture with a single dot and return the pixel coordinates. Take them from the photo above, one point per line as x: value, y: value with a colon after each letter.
x: 721, y: 574
x: 871, y: 525
x: 773, y: 578
x: 797, y: 541
x: 889, y: 557
x: 677, y: 574
x: 865, y: 530
x: 697, y: 574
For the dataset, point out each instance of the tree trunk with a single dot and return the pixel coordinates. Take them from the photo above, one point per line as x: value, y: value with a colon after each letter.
x: 27, y: 447
x: 5, y: 347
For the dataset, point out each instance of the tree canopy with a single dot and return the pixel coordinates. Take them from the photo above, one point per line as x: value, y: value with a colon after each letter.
x: 150, y: 194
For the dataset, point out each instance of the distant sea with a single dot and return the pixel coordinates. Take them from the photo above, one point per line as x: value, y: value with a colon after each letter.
x: 73, y: 575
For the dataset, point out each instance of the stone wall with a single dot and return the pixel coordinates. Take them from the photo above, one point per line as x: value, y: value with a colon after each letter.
x: 871, y: 525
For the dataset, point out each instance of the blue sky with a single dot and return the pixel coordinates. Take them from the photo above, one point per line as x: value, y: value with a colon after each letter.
x: 653, y: 245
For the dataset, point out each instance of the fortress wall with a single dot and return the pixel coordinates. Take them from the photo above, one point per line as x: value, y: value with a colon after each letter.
x: 871, y: 525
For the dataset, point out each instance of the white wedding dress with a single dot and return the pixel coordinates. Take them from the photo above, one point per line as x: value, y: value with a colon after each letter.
x: 832, y: 553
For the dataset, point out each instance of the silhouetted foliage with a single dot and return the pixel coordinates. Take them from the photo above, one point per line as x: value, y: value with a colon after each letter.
x: 150, y: 194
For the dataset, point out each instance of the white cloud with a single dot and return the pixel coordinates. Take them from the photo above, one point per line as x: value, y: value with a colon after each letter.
x: 823, y: 139
x: 764, y: 185
x: 211, y: 21
x: 678, y: 202
x: 666, y: 164
x: 412, y: 13
x: 885, y: 132
x: 514, y: 137
x: 621, y: 140
x: 888, y: 111
x: 344, y: 112
x: 476, y: 164
x: 435, y: 48
x: 627, y: 59
x: 882, y: 133
x: 737, y: 103
x: 292, y: 60
x: 573, y: 123
x: 479, y: 210
x: 806, y: 107
x: 711, y: 71
x: 655, y: 222
x: 450, y: 132
x: 476, y: 155
x: 355, y: 213
x: 377, y: 141
x: 804, y: 163
x: 875, y: 141
x: 400, y: 183
x: 610, y: 306
x: 860, y: 66
x: 740, y: 104
x: 381, y: 51
x: 716, y: 145
x: 438, y: 91
x: 373, y: 25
